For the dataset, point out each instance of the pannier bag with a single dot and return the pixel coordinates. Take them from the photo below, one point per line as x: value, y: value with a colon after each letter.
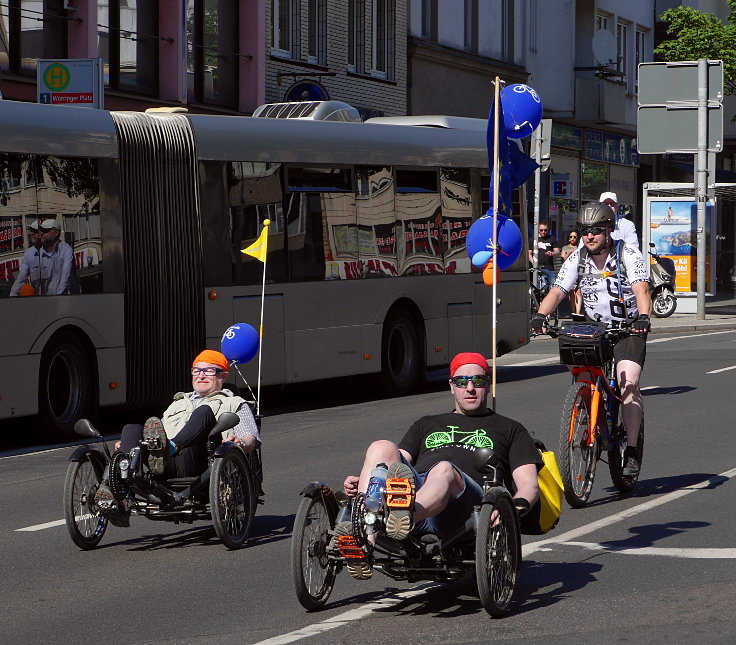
x: 544, y: 515
x: 584, y: 344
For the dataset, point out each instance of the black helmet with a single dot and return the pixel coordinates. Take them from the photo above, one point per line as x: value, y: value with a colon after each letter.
x: 596, y: 214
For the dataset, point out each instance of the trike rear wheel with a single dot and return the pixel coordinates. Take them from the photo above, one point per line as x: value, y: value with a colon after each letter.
x: 578, y: 454
x: 497, y: 555
x: 313, y: 572
x: 85, y: 522
x: 231, y: 498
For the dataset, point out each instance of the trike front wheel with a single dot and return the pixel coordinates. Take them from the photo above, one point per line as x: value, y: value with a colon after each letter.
x: 578, y: 450
x: 312, y: 570
x: 497, y: 555
x: 231, y: 498
x: 85, y: 522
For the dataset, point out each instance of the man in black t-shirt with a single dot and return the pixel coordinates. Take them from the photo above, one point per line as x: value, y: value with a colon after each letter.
x: 547, y: 250
x: 436, y: 456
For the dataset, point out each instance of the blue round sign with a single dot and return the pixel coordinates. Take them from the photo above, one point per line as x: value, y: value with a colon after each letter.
x: 240, y: 342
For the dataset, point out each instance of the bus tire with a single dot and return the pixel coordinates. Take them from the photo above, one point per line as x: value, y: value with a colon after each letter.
x: 401, y: 359
x: 67, y: 387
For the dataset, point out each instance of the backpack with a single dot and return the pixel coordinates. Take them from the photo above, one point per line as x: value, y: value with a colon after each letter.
x: 620, y: 267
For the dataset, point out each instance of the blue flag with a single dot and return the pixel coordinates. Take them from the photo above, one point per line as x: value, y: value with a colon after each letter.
x: 514, y: 166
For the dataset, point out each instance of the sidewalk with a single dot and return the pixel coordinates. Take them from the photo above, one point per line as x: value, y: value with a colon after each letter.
x: 720, y: 313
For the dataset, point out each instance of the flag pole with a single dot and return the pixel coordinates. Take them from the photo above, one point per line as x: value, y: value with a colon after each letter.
x: 266, y: 224
x: 496, y: 95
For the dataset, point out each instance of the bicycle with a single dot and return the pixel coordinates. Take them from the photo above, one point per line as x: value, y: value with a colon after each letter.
x: 591, y: 421
x: 537, y: 293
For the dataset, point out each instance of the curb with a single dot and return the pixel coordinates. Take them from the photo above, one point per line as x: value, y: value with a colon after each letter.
x: 696, y: 326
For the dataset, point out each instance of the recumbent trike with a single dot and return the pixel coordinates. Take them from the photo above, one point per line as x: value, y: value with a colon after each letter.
x: 487, y: 546
x: 227, y: 492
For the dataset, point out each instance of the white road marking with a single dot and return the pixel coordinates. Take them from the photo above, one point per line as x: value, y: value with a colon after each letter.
x: 629, y: 512
x: 723, y: 369
x: 538, y: 361
x: 667, y: 340
x: 672, y: 552
x: 348, y: 616
x: 40, y: 527
x: 649, y: 387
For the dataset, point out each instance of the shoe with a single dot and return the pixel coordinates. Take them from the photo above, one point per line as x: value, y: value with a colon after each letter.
x: 344, y: 544
x: 115, y: 510
x: 400, y: 491
x: 631, y: 464
x: 158, y: 445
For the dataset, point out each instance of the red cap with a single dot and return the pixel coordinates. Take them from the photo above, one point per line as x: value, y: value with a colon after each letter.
x: 468, y: 358
x: 213, y: 358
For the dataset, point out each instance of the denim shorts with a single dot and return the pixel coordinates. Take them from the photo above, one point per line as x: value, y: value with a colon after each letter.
x: 456, y: 512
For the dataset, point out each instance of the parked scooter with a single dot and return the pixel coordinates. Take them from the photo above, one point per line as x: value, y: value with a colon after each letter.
x: 662, y: 285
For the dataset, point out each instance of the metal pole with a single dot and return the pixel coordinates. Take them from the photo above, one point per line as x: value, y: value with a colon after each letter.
x: 537, y: 200
x: 702, y: 182
x: 495, y: 185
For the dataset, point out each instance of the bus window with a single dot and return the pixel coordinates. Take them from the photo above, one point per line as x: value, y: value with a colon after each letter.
x: 254, y: 195
x: 68, y: 190
x: 420, y: 248
x: 317, y: 199
x: 376, y: 221
x: 457, y: 215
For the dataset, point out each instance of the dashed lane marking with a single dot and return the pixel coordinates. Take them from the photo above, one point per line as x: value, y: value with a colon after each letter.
x: 703, y: 553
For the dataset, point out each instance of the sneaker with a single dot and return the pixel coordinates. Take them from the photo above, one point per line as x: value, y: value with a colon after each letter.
x: 631, y: 464
x: 158, y: 445
x: 343, y: 543
x: 400, y: 491
x: 115, y: 510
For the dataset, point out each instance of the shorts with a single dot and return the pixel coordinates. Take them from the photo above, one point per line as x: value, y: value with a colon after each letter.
x: 631, y: 348
x: 456, y: 512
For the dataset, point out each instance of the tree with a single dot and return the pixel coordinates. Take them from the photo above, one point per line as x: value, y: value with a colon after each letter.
x: 701, y: 35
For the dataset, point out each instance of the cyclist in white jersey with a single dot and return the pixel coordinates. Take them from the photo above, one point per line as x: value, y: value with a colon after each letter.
x: 614, y: 290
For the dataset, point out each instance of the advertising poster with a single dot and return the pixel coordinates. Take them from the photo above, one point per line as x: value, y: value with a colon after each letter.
x: 673, y: 227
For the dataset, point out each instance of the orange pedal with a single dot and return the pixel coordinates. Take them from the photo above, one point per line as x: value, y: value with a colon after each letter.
x: 348, y: 548
x: 398, y: 492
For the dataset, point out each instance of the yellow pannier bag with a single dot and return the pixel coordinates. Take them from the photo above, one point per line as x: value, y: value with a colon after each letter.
x: 545, y: 514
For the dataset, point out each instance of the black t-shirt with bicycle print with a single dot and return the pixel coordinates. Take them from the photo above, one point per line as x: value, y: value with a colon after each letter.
x: 455, y: 437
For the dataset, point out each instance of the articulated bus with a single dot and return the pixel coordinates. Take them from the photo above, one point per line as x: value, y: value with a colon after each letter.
x: 366, y: 270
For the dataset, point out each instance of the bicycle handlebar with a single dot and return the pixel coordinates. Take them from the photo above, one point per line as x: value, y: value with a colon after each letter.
x: 553, y: 331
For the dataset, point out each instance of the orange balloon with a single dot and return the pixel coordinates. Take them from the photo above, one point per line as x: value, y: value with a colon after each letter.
x: 27, y: 290
x: 489, y: 275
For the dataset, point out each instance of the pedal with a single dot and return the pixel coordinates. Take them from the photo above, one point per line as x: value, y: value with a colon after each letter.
x: 399, y: 492
x: 348, y: 547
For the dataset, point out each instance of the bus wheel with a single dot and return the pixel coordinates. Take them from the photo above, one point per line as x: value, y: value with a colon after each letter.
x: 401, y: 363
x: 67, y: 390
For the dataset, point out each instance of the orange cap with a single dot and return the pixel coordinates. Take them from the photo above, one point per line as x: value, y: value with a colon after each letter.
x: 213, y: 357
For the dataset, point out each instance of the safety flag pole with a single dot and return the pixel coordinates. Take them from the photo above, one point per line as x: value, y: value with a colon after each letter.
x: 259, y: 250
x: 494, y: 259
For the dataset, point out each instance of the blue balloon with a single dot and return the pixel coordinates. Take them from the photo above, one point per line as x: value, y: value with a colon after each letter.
x: 480, y: 241
x: 481, y: 258
x: 240, y: 342
x: 522, y: 110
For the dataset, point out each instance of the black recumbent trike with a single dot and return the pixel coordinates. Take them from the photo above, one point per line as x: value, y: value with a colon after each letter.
x: 227, y: 492
x: 487, y: 546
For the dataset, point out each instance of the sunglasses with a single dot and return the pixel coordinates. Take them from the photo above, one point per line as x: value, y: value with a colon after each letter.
x: 462, y: 381
x: 592, y: 230
x: 573, y: 237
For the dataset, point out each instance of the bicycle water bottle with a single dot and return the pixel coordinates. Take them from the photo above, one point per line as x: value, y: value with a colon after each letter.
x: 376, y: 485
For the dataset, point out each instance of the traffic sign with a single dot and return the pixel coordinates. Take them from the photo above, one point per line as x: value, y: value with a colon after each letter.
x: 661, y: 83
x: 664, y: 129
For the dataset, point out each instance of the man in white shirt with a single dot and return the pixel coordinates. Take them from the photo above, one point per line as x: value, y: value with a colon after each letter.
x: 625, y: 229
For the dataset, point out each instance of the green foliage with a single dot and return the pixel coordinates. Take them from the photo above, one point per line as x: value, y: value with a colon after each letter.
x: 701, y: 35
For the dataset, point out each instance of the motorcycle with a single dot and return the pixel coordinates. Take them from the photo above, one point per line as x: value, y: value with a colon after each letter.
x: 662, y: 285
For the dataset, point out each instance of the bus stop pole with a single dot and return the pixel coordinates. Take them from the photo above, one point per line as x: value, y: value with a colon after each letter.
x: 702, y: 182
x: 537, y: 198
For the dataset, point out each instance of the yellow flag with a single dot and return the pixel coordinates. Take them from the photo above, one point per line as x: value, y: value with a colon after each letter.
x: 259, y: 248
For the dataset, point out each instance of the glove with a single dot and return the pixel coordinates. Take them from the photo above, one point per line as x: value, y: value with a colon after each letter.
x: 537, y: 324
x: 641, y: 324
x: 522, y: 506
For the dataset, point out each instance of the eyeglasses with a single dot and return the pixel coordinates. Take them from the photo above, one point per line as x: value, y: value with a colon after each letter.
x: 592, y: 230
x: 207, y: 371
x: 462, y: 381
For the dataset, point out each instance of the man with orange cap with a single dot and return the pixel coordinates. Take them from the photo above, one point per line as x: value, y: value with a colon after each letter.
x: 436, y: 456
x: 183, y: 429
